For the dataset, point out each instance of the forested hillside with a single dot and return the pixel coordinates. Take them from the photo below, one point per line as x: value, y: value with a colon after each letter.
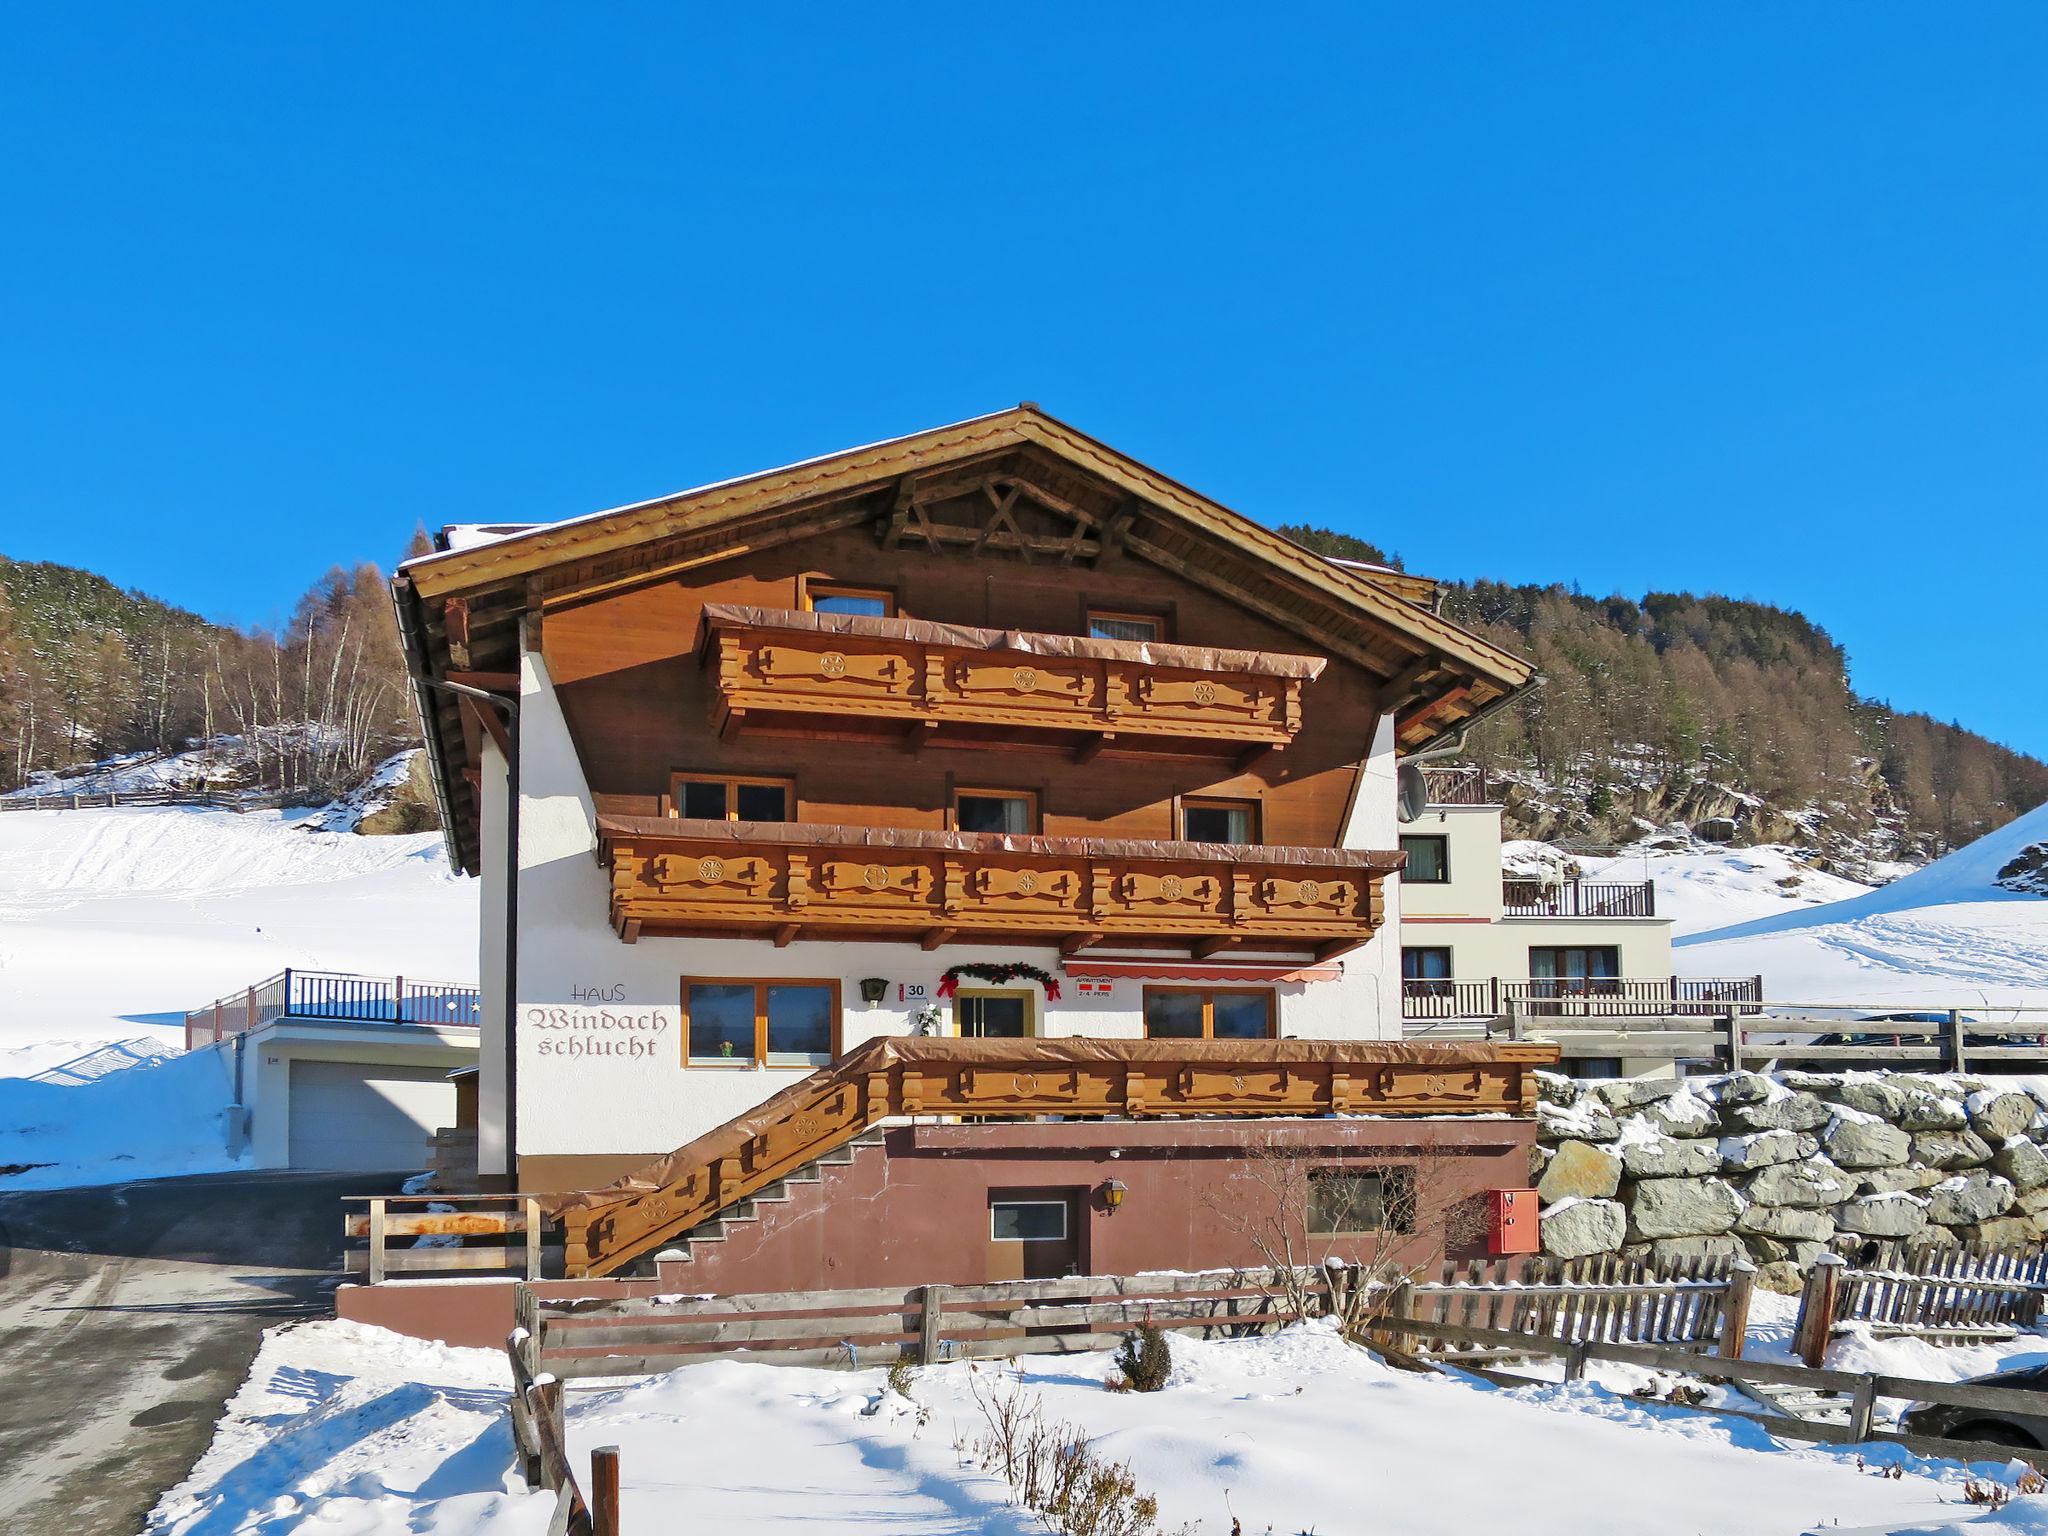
x: 88, y: 670
x: 1712, y: 711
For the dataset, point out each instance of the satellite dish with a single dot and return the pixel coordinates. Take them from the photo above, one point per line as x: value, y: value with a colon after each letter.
x: 1411, y: 793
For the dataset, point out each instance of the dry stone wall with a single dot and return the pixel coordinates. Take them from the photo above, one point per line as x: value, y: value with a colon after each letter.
x: 1783, y: 1167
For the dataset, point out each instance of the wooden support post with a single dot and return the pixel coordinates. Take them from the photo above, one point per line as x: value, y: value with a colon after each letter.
x: 1862, y: 1406
x: 604, y: 1491
x: 1733, y: 1049
x: 1817, y: 1305
x: 1575, y: 1361
x: 1957, y: 1061
x: 376, y: 1241
x: 532, y: 1209
x: 216, y: 1021
x: 551, y: 1422
x: 931, y: 1308
x: 1735, y: 1309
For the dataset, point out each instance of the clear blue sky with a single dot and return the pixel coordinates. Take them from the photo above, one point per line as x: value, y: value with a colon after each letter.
x: 1743, y: 299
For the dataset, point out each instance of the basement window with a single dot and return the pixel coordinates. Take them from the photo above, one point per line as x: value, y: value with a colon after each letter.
x: 1352, y: 1200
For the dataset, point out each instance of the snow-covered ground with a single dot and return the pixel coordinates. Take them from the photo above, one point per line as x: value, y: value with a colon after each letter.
x: 114, y: 922
x: 152, y: 1120
x: 346, y: 1428
x: 1945, y: 935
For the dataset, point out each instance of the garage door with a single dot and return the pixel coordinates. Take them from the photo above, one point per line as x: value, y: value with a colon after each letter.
x: 363, y: 1118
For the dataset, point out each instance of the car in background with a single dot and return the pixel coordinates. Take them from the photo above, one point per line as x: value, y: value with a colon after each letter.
x: 2022, y: 1431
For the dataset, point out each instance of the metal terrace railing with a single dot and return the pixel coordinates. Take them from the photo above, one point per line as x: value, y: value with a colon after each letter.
x: 335, y: 995
x: 1577, y: 898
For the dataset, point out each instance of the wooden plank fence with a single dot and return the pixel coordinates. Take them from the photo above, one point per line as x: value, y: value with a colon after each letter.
x: 501, y: 1233
x: 212, y: 799
x: 540, y: 1438
x: 1693, y: 1304
x: 1946, y: 1295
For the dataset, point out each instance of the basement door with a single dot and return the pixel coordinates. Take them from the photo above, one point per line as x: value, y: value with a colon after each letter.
x: 1034, y: 1234
x: 365, y: 1117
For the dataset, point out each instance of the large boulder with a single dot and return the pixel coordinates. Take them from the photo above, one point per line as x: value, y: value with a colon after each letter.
x: 1586, y: 1120
x: 1967, y: 1198
x: 1871, y: 1096
x: 1890, y: 1181
x: 1924, y: 1111
x: 2021, y: 1163
x: 1621, y: 1093
x: 1999, y: 1113
x: 1682, y: 1115
x: 1950, y: 1149
x: 1786, y: 1222
x: 1786, y: 1112
x: 1711, y: 1247
x: 1762, y: 1149
x: 1744, y: 1088
x: 1856, y: 1140
x: 2034, y: 1202
x: 1813, y: 1183
x: 1652, y: 1156
x: 1580, y: 1170
x: 1681, y: 1208
x: 1577, y: 1229
x: 1783, y: 1276
x: 2003, y: 1231
x: 1898, y: 1215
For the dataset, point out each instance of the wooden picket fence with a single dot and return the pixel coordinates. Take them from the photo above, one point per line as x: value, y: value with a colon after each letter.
x: 1945, y: 1295
x: 1689, y: 1303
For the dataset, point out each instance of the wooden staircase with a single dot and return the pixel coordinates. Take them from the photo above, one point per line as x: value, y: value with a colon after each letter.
x: 785, y: 1135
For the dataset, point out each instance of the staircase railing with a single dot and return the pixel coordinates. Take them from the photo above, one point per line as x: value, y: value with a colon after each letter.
x: 1021, y: 1079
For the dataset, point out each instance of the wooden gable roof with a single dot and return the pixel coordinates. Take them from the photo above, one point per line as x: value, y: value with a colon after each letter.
x: 1018, y: 481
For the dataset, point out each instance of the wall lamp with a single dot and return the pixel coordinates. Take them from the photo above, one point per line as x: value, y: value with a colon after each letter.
x: 1112, y: 1192
x: 873, y: 989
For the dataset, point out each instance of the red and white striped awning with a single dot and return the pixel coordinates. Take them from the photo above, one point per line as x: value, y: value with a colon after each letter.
x: 1183, y: 970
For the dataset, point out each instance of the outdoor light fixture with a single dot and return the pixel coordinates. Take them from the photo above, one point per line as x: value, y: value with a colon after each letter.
x: 873, y: 989
x: 1112, y: 1192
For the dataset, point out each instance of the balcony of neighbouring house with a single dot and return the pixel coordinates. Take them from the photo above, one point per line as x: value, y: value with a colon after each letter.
x: 866, y: 676
x: 791, y: 880
x: 335, y: 997
x: 1457, y: 786
x: 1581, y: 997
x: 1577, y: 898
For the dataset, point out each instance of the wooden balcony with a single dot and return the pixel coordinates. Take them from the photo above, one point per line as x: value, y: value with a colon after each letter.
x: 1577, y: 898
x: 789, y: 881
x: 778, y: 669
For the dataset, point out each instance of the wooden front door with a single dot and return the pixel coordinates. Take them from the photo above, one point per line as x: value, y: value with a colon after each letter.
x: 1034, y: 1234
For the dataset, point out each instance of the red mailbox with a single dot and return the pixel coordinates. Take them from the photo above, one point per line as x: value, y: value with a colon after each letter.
x: 1511, y: 1222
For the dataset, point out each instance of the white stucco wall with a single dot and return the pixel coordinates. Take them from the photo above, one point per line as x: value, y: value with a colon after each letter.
x: 600, y: 1047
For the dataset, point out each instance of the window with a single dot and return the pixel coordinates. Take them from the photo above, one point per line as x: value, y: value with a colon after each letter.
x: 1596, y: 962
x: 1429, y: 860
x: 1125, y: 626
x: 1420, y: 963
x: 1342, y: 1200
x: 871, y: 602
x: 760, y: 1023
x: 1027, y: 1221
x: 724, y: 797
x: 992, y: 1015
x: 1219, y: 821
x: 995, y: 810
x: 1207, y: 1013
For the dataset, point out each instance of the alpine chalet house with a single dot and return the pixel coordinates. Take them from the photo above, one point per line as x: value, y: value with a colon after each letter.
x: 965, y: 844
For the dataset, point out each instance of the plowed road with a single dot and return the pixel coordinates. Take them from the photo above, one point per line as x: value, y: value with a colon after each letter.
x: 129, y: 1314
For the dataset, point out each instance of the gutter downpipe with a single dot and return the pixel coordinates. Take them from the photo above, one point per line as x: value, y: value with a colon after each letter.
x: 510, y: 706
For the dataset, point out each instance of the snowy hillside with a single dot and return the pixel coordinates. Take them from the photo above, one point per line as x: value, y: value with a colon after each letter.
x: 1949, y: 933
x: 114, y: 922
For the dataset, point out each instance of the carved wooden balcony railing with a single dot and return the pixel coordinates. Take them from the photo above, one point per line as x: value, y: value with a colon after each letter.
x: 1018, y: 1079
x: 790, y: 880
x: 780, y: 668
